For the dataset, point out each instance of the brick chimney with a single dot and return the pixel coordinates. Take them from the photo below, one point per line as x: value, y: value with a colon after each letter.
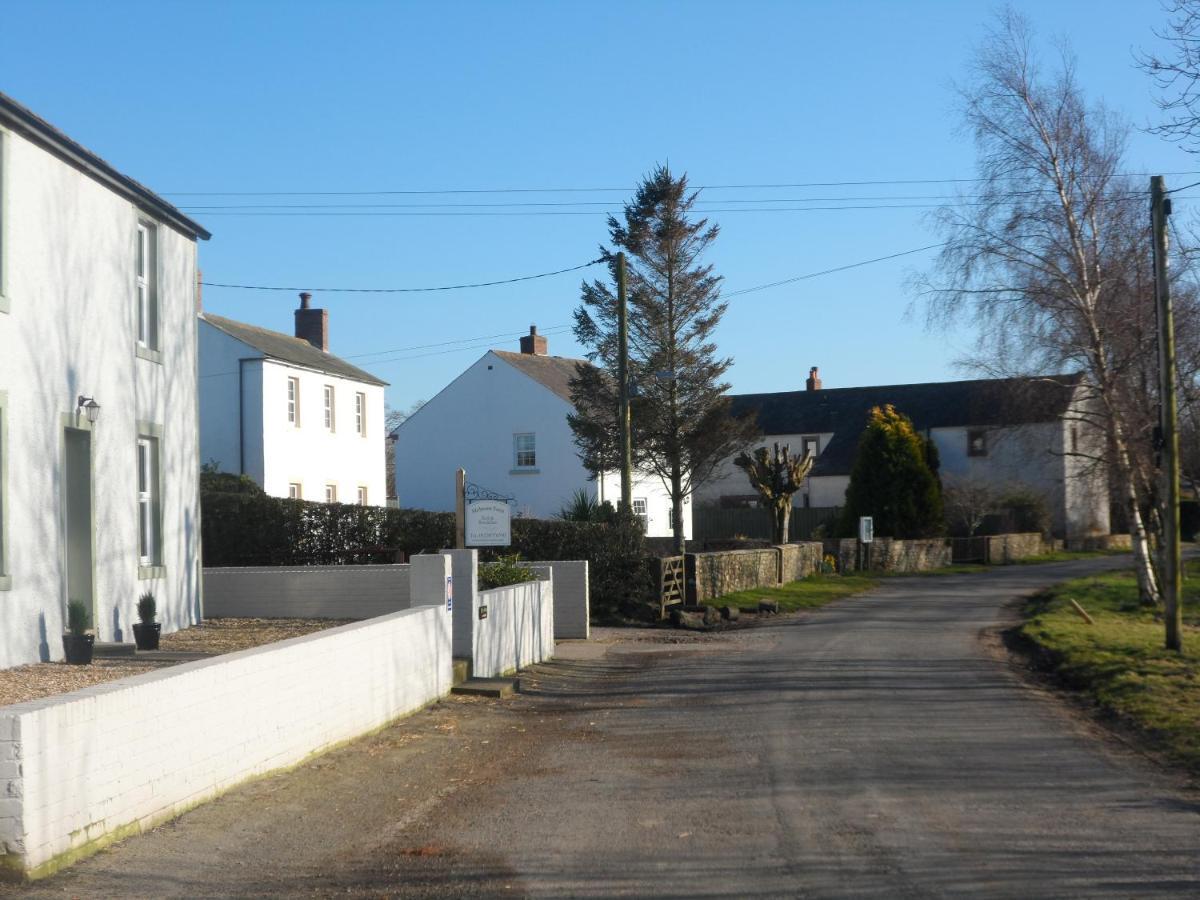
x: 312, y: 325
x: 533, y: 344
x: 813, y: 382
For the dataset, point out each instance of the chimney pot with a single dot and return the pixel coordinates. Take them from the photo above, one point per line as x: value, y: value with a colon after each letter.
x: 813, y: 383
x: 534, y: 344
x: 305, y: 296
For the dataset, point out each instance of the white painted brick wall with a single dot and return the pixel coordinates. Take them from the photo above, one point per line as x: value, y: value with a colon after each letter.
x: 572, y: 601
x: 518, y: 630
x: 310, y: 592
x: 139, y: 750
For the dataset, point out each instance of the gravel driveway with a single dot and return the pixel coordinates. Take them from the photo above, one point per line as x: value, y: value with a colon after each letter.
x: 871, y: 748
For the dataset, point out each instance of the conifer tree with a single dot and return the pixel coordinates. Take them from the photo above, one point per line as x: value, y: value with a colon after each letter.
x: 892, y: 480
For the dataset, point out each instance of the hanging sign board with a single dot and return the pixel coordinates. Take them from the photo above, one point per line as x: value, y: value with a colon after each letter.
x: 489, y: 523
x: 866, y: 529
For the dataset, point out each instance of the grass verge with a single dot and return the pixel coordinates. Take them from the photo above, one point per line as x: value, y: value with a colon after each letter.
x: 808, y: 593
x: 1119, y: 662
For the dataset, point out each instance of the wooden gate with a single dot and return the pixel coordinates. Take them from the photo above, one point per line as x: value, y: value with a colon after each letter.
x: 670, y: 585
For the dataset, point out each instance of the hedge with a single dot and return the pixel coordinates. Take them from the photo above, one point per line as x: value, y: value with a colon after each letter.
x: 253, y: 529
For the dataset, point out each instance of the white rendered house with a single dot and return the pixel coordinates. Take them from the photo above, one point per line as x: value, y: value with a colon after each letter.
x: 97, y: 321
x: 1004, y: 432
x: 285, y: 411
x: 504, y: 420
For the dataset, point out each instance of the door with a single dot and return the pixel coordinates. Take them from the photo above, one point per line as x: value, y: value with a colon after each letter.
x: 77, y: 513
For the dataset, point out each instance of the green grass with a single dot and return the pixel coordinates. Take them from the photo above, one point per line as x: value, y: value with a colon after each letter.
x: 1065, y: 556
x: 1120, y: 662
x: 808, y: 593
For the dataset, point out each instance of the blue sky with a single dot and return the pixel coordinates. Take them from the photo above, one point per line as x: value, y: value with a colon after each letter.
x: 194, y: 98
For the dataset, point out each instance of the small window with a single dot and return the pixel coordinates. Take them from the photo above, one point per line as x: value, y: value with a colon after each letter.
x: 525, y: 450
x: 331, y: 493
x: 810, y: 446
x: 1074, y: 438
x: 362, y: 496
x: 330, y: 420
x: 295, y: 492
x: 145, y: 269
x: 639, y: 510
x: 671, y: 517
x: 293, y: 401
x: 977, y: 442
x: 360, y: 414
x: 148, y: 501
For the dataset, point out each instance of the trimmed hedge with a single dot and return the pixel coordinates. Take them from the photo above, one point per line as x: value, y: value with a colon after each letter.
x: 248, y: 529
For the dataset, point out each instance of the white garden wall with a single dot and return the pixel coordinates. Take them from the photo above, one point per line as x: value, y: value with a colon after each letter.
x: 81, y: 770
x: 572, y: 601
x: 518, y: 629
x: 309, y: 592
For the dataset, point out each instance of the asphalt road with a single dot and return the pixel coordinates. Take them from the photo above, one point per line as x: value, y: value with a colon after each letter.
x: 875, y: 748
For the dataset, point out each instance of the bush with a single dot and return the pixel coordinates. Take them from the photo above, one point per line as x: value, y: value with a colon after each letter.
x: 147, y: 608
x: 79, y: 617
x: 504, y: 571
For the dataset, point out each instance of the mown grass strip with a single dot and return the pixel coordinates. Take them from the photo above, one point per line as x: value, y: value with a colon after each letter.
x: 808, y: 593
x: 1119, y: 662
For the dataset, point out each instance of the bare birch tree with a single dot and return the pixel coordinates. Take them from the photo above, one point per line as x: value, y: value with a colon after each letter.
x: 1050, y: 257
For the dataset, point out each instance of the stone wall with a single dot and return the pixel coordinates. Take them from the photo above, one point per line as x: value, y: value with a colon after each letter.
x: 1000, y: 549
x: 891, y: 555
x: 712, y: 575
x: 799, y: 560
x: 1101, y: 542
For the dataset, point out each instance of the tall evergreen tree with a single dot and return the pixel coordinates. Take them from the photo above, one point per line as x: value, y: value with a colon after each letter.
x: 681, y: 420
x: 892, y: 479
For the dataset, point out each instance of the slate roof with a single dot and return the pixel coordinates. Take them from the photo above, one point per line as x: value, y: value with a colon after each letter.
x: 288, y: 349
x: 982, y: 403
x: 36, y: 129
x: 553, y: 372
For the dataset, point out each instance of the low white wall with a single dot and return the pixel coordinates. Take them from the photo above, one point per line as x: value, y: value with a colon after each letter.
x: 307, y: 592
x: 572, y: 602
x: 518, y: 630
x: 83, y: 769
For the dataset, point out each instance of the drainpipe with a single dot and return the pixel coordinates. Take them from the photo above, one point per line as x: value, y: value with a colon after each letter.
x: 242, y: 412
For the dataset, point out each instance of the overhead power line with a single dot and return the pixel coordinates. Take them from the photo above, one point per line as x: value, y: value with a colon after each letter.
x: 855, y: 265
x: 627, y: 189
x: 409, y: 290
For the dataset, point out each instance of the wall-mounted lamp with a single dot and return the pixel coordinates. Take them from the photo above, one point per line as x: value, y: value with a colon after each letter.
x: 89, y: 407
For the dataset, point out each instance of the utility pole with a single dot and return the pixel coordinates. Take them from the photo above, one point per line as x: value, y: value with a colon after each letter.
x: 623, y: 388
x: 460, y: 509
x: 1160, y: 208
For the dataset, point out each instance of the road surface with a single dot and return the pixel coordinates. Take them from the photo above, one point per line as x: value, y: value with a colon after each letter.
x: 874, y: 748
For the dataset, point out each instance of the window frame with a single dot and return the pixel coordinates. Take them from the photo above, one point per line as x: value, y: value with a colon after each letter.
x: 815, y: 440
x: 974, y: 434
x: 148, y: 483
x: 295, y: 490
x: 361, y: 495
x: 330, y: 400
x: 146, y: 294
x: 360, y: 413
x: 331, y: 493
x: 644, y: 515
x: 5, y: 573
x: 530, y: 452
x: 293, y: 401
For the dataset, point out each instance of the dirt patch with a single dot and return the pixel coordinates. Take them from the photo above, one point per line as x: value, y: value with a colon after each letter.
x: 211, y: 638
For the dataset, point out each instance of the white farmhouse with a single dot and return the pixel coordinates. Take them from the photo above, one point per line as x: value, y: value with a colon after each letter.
x: 1005, y: 432
x: 504, y: 420
x: 98, y: 440
x: 285, y: 411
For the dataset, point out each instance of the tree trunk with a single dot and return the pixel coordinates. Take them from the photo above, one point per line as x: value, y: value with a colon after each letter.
x: 1143, y: 558
x: 783, y: 517
x: 677, y: 511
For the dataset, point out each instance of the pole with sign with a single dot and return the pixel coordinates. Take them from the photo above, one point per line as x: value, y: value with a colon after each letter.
x: 866, y: 535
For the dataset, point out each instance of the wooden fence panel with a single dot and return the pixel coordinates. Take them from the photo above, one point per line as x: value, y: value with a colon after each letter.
x: 716, y: 524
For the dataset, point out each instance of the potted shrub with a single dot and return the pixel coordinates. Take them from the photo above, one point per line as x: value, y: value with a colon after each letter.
x: 77, y: 643
x: 146, y: 632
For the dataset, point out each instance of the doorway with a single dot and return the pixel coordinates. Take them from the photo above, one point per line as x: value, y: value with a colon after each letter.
x: 77, y: 514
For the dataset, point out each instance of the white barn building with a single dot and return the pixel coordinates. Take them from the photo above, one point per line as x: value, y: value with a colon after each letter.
x: 97, y: 313
x: 504, y: 420
x: 285, y: 411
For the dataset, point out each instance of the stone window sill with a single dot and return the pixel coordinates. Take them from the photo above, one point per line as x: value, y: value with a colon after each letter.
x: 5, y: 582
x: 154, y: 356
x: 530, y: 471
x: 145, y: 572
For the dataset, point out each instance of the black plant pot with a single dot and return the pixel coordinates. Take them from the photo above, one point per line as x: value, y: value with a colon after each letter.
x: 145, y: 635
x: 78, y: 648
